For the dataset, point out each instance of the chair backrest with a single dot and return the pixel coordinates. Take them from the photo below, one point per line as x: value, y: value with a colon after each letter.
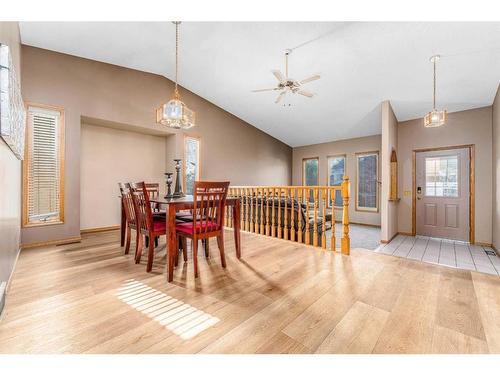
x: 209, y: 203
x: 128, y: 204
x: 142, y: 206
x: 153, y: 189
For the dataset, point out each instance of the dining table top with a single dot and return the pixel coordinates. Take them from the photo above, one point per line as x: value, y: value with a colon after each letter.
x: 186, y: 199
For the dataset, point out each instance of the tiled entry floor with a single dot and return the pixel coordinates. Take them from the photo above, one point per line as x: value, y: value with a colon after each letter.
x: 450, y: 253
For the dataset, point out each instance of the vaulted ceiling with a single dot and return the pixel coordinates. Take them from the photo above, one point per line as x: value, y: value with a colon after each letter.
x: 361, y: 64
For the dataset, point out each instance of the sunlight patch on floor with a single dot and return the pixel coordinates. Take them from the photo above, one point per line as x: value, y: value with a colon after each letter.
x: 181, y: 318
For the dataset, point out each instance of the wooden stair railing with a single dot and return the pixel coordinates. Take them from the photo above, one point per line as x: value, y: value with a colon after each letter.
x: 295, y: 213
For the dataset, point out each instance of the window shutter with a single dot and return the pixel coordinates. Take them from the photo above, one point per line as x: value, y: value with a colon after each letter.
x: 44, y: 168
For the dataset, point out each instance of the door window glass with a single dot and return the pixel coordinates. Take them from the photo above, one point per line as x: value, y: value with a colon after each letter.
x: 441, y: 176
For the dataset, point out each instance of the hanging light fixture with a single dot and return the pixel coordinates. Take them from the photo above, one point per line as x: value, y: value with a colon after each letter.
x: 435, y: 118
x: 175, y: 114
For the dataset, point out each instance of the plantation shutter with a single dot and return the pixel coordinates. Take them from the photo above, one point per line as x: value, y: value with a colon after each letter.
x: 44, y: 169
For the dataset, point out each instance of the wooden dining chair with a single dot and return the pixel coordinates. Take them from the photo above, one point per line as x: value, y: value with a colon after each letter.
x: 208, y: 217
x: 148, y: 224
x: 130, y: 222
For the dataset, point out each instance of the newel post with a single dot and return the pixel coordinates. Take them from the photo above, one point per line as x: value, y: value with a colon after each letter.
x: 345, y: 241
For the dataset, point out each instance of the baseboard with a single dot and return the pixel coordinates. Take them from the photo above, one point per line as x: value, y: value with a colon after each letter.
x: 406, y: 234
x: 100, y: 229
x: 12, y: 272
x: 385, y: 241
x: 484, y: 244
x: 51, y: 243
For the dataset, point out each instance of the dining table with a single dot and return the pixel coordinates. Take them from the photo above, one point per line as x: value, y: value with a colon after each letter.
x: 174, y: 205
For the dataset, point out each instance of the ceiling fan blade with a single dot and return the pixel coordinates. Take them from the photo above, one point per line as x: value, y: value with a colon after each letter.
x: 261, y: 90
x: 310, y: 79
x: 280, y: 96
x: 305, y: 93
x: 279, y: 76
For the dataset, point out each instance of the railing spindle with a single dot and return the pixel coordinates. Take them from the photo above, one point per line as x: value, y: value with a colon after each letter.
x: 280, y: 232
x: 261, y: 211
x: 345, y: 242
x: 323, y: 229
x: 333, y: 193
x: 267, y: 212
x: 273, y: 227
x: 292, y: 214
x: 308, y: 234
x: 252, y: 212
x: 315, y: 217
x: 285, y: 219
x: 299, y: 215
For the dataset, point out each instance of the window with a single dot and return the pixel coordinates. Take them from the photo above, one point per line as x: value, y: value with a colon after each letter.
x: 441, y: 176
x: 367, y: 176
x: 336, y: 173
x: 43, y: 167
x: 191, y: 163
x: 310, y: 175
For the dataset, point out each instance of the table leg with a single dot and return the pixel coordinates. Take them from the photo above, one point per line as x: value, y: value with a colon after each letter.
x: 236, y: 228
x: 123, y: 224
x: 171, y: 241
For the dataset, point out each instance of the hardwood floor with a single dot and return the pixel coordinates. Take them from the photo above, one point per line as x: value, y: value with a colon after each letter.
x: 282, y: 297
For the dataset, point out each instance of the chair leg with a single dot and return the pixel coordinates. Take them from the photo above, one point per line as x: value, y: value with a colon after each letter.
x: 151, y: 255
x: 206, y: 246
x: 177, y: 242
x: 195, y: 256
x: 184, y: 248
x: 220, y: 243
x: 138, y: 247
x: 127, y: 243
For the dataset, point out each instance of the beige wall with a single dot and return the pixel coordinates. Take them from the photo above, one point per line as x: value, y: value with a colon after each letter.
x: 231, y: 148
x: 104, y: 165
x: 463, y: 128
x: 496, y: 170
x: 348, y: 147
x: 389, y: 210
x: 10, y: 173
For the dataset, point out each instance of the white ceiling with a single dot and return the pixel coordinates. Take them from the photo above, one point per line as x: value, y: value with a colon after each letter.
x: 361, y: 64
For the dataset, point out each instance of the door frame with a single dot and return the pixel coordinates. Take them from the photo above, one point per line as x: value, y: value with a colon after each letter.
x: 472, y: 195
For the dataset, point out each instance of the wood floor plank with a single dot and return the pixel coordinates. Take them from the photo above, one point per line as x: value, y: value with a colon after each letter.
x: 281, y: 343
x: 457, y: 307
x: 357, y: 332
x: 448, y: 341
x: 409, y: 327
x: 385, y: 288
x: 313, y: 325
x: 488, y: 297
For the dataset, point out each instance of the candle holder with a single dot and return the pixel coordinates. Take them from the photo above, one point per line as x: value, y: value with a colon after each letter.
x: 169, y: 180
x: 178, y: 188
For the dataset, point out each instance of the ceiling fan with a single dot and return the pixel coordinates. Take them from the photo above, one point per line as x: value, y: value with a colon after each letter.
x: 287, y: 84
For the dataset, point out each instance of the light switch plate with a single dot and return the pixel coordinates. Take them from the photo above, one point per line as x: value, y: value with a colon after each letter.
x: 407, y: 193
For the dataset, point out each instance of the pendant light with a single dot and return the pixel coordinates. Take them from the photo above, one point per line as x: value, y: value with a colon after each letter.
x: 435, y: 118
x: 175, y: 114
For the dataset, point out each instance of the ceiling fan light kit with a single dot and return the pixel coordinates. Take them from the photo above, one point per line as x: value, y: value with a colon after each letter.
x: 289, y: 85
x: 435, y: 118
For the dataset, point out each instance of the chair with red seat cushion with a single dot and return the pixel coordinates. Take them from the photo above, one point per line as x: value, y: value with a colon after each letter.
x: 128, y: 208
x: 208, y: 209
x: 147, y: 223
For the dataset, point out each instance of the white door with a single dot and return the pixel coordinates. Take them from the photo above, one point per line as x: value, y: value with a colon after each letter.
x: 442, y: 183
